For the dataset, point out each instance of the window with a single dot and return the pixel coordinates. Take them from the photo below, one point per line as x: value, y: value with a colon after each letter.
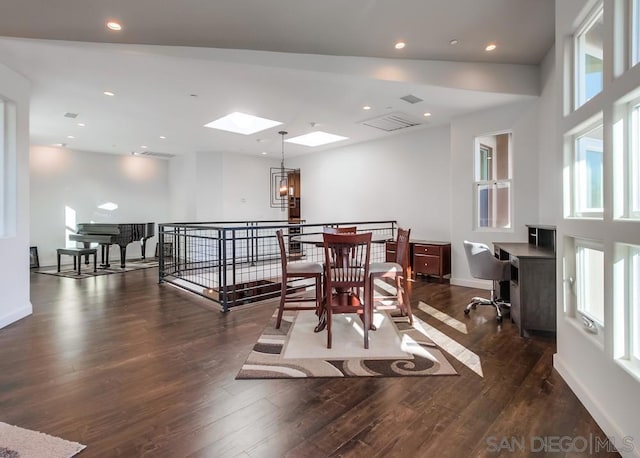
x: 589, y: 281
x: 3, y: 172
x: 588, y: 59
x: 492, y: 185
x: 626, y: 276
x: 586, y: 187
x: 635, y: 32
x: 633, y: 175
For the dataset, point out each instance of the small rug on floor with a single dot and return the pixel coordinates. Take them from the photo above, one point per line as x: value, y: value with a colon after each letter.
x: 86, y: 271
x: 396, y: 349
x: 16, y: 442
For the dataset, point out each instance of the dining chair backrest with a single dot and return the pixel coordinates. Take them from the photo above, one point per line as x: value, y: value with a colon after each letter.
x: 283, y: 252
x: 347, y: 259
x: 340, y: 230
x: 403, y: 248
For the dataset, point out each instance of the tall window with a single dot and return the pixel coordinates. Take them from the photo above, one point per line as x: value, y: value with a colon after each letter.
x: 587, y: 174
x: 493, y: 181
x: 635, y: 32
x: 3, y: 171
x: 590, y: 281
x: 588, y: 61
x: 633, y: 164
x: 634, y: 302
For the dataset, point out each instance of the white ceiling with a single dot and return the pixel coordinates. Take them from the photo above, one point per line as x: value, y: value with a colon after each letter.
x: 154, y: 84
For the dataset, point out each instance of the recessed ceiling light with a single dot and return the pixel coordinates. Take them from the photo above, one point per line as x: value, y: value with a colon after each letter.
x: 264, y: 153
x: 453, y: 42
x: 70, y: 136
x: 113, y: 25
x: 163, y: 137
x: 110, y: 206
x: 400, y: 45
x: 60, y: 145
x: 241, y: 123
x: 490, y: 47
x: 366, y: 107
x: 427, y: 114
x: 143, y: 146
x: 109, y: 93
x: 81, y: 124
x: 317, y: 138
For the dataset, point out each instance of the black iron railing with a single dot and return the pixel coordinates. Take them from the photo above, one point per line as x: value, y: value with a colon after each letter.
x: 238, y: 263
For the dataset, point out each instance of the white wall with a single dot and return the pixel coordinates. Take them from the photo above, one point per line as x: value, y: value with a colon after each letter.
x: 404, y: 177
x: 82, y: 181
x: 14, y: 248
x: 214, y: 187
x: 609, y: 393
x: 522, y: 119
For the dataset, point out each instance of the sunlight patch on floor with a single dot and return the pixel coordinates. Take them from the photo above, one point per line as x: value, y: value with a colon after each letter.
x: 446, y: 343
x: 446, y: 319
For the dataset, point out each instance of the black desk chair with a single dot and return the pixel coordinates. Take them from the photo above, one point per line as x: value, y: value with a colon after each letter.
x: 483, y: 264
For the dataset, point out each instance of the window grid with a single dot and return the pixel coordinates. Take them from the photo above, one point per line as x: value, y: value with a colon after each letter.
x: 493, y: 184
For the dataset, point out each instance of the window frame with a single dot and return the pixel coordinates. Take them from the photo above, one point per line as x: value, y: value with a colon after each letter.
x: 577, y: 176
x: 579, y: 79
x: 579, y: 245
x: 478, y: 183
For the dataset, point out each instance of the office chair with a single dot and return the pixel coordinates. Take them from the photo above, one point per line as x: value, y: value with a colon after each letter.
x: 483, y: 264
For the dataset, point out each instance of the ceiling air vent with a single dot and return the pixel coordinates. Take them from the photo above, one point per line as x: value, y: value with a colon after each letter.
x: 392, y: 121
x: 154, y: 154
x: 411, y: 99
x: 71, y: 115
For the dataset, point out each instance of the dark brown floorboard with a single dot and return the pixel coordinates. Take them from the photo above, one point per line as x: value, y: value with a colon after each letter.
x: 132, y: 368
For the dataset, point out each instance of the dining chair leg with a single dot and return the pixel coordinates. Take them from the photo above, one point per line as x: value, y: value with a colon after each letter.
x: 406, y: 298
x: 328, y: 315
x: 319, y: 295
x: 367, y: 324
x: 283, y: 293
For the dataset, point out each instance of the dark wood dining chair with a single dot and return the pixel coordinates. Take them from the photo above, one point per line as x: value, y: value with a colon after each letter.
x: 346, y: 278
x: 297, y: 271
x: 397, y: 271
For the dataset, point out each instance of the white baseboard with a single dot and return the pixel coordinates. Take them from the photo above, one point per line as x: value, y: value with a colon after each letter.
x: 471, y: 283
x: 598, y: 413
x: 16, y: 315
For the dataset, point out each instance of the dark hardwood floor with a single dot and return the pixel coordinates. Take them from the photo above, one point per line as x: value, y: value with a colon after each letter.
x: 131, y: 368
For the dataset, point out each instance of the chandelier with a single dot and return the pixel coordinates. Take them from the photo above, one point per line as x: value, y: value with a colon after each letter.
x: 280, y: 181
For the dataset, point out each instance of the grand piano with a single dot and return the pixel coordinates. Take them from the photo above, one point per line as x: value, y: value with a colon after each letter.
x: 114, y: 234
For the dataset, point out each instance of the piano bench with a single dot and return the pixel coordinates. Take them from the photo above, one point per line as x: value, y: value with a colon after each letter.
x: 77, y: 254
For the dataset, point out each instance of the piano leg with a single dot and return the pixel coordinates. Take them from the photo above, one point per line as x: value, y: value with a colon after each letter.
x: 143, y: 246
x: 123, y: 255
x: 86, y: 257
x: 104, y: 255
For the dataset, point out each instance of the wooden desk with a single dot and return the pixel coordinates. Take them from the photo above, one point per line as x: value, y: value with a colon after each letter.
x: 532, y: 289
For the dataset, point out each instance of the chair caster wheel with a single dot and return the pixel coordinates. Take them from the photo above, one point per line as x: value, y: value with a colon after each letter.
x: 466, y: 311
x: 499, y: 319
x: 474, y: 306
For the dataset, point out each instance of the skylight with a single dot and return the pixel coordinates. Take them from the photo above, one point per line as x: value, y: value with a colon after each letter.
x: 241, y: 123
x: 316, y: 139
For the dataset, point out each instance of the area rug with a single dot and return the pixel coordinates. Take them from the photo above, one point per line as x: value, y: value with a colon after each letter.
x: 18, y: 442
x: 396, y: 349
x: 86, y: 271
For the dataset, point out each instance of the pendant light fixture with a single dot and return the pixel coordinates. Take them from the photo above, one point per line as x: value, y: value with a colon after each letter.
x: 284, y: 187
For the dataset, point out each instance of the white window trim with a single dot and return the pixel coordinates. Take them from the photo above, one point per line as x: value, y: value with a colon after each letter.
x: 477, y: 183
x: 597, y: 246
x: 578, y: 58
x: 571, y: 190
x: 634, y: 41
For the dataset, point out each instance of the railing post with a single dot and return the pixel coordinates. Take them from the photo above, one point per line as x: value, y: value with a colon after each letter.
x: 161, y: 253
x: 223, y: 267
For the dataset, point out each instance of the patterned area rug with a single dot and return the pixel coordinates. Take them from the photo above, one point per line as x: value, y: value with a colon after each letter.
x: 18, y: 442
x: 87, y: 270
x: 295, y: 351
